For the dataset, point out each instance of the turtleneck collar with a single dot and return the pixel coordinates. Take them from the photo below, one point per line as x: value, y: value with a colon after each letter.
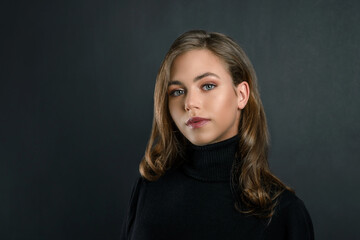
x: 213, y: 162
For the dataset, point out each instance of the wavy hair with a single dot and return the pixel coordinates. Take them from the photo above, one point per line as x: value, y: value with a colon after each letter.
x: 254, y: 187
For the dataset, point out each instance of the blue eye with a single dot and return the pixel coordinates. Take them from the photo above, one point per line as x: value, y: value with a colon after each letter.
x: 208, y: 86
x: 177, y: 92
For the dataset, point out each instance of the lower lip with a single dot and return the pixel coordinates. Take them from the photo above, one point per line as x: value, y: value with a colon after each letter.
x: 198, y: 124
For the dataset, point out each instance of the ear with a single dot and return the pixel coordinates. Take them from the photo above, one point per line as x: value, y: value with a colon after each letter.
x: 243, y: 93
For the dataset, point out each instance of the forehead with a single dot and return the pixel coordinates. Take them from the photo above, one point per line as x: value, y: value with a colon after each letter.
x: 195, y: 62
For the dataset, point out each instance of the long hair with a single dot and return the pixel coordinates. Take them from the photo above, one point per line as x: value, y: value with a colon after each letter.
x: 254, y: 187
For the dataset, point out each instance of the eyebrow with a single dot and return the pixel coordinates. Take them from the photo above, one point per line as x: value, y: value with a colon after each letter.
x: 197, y: 78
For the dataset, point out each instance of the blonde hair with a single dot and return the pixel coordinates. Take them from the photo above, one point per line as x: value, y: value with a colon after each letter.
x: 255, y: 188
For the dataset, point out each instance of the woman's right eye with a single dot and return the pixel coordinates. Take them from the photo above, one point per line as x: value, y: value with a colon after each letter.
x: 176, y: 92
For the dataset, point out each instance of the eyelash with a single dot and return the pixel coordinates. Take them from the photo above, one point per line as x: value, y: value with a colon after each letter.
x: 173, y: 93
x: 208, y: 84
x: 205, y: 87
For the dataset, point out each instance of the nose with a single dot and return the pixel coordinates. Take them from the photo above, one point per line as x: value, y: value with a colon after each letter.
x: 192, y: 100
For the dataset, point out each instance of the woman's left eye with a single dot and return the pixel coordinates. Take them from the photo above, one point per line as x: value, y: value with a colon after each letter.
x: 208, y: 86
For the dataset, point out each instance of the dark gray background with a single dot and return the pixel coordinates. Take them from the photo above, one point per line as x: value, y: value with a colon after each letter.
x: 76, y: 91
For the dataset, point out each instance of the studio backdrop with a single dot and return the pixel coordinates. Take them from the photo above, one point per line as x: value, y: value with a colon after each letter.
x: 76, y: 102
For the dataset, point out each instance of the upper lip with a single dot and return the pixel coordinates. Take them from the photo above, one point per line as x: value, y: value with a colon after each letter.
x: 195, y: 119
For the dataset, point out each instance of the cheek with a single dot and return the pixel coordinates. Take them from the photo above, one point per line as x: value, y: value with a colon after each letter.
x: 175, y: 111
x: 223, y: 104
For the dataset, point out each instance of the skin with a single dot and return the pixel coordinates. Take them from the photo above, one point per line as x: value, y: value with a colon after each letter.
x: 201, y: 86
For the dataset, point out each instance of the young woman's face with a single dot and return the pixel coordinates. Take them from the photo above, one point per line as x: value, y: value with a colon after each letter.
x: 203, y: 101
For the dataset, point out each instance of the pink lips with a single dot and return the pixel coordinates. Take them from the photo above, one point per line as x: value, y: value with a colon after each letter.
x: 196, y: 122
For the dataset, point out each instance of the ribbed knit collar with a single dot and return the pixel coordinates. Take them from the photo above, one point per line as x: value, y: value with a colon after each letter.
x: 213, y: 162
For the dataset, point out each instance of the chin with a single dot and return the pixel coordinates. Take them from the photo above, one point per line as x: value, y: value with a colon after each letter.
x: 200, y: 141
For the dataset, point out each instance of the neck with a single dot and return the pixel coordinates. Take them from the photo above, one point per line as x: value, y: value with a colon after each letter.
x: 213, y: 162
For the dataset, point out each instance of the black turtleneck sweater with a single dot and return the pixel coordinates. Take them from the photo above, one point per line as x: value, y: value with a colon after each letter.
x: 194, y: 201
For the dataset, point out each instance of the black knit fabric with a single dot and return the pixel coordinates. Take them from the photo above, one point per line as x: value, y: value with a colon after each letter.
x: 211, y: 162
x: 194, y: 201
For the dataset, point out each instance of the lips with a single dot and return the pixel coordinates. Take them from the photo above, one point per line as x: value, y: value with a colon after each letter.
x: 197, y: 122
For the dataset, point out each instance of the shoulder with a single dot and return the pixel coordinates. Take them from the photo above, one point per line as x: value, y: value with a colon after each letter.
x: 288, y: 199
x: 291, y: 219
x: 290, y: 205
x: 142, y: 184
x: 137, y: 185
x: 135, y: 192
x: 170, y: 177
x: 128, y: 220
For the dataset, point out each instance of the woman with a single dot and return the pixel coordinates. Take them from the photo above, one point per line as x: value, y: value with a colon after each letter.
x: 205, y: 173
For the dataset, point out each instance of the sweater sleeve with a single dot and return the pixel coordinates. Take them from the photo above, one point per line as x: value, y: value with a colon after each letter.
x: 128, y: 220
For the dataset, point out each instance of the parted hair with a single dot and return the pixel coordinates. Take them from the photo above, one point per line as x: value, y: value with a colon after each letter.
x: 254, y: 187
